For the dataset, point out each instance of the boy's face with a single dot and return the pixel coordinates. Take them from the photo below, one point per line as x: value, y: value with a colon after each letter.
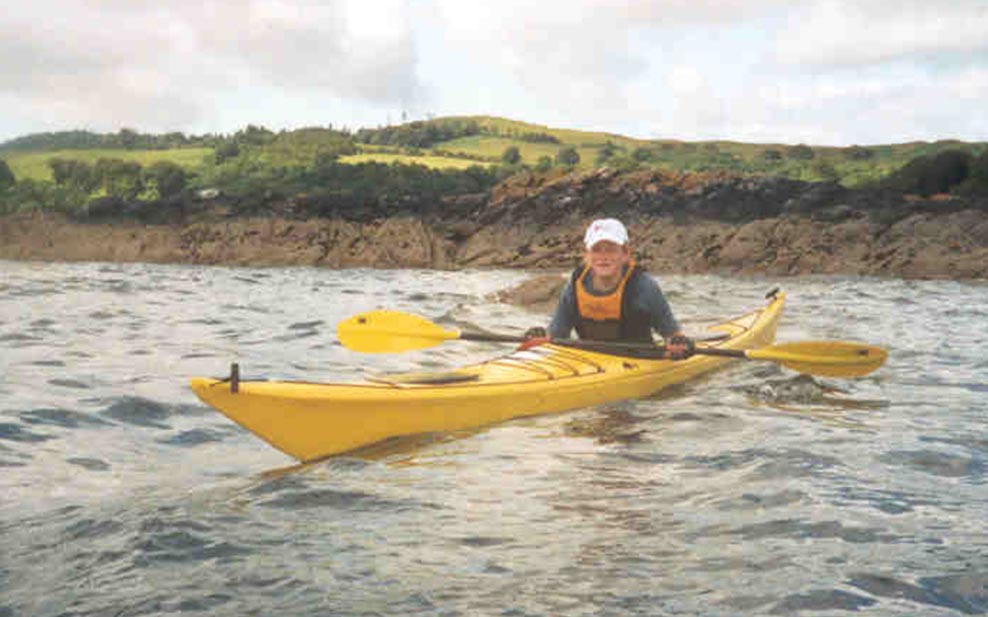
x: 607, y: 259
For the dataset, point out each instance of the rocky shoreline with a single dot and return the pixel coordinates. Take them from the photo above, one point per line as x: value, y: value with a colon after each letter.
x: 680, y: 223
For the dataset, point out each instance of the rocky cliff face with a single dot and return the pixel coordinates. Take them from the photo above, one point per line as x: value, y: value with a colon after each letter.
x: 690, y: 223
x: 717, y: 223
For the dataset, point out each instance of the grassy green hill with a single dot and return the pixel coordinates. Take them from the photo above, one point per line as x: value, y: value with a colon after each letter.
x: 852, y: 166
x: 514, y: 128
x: 460, y: 142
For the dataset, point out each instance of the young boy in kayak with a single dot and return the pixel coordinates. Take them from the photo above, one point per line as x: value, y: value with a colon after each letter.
x: 610, y: 298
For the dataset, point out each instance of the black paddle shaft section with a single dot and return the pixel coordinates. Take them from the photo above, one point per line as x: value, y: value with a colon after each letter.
x: 714, y: 351
x: 491, y: 338
x: 602, y: 346
x: 630, y: 349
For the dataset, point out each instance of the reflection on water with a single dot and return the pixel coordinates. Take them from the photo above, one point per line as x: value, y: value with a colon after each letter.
x: 750, y: 491
x: 813, y: 398
x: 609, y: 425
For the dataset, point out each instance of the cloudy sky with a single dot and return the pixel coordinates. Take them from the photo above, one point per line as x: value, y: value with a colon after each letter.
x: 813, y: 71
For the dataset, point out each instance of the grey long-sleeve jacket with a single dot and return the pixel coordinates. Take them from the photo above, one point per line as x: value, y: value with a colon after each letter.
x: 646, y: 295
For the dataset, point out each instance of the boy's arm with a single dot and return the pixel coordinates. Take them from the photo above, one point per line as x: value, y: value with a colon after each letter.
x: 564, y: 318
x: 663, y: 321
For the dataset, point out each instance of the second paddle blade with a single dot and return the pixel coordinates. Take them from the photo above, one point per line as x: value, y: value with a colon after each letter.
x: 390, y: 331
x: 826, y: 358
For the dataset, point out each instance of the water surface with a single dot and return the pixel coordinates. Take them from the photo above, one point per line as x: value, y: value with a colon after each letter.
x: 753, y: 491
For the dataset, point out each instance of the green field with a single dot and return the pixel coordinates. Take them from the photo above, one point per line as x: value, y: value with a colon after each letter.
x: 492, y: 148
x: 499, y: 134
x: 34, y: 165
x: 435, y: 162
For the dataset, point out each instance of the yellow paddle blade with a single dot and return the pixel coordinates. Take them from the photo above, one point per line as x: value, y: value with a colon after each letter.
x: 389, y: 331
x: 826, y: 358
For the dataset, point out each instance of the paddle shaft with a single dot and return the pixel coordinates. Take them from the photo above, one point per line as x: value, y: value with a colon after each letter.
x: 636, y: 348
x: 507, y: 338
x: 491, y: 338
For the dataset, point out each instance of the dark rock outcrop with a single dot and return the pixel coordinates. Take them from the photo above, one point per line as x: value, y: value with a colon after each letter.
x: 689, y: 223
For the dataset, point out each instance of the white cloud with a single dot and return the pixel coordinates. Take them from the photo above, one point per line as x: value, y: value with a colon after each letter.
x: 583, y: 58
x: 567, y: 57
x: 826, y: 71
x: 686, y: 81
x: 103, y: 64
x: 849, y: 32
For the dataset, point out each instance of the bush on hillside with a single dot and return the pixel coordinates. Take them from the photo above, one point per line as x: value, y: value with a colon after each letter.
x: 771, y: 155
x: 253, y: 136
x: 976, y: 182
x: 800, y: 152
x: 7, y: 178
x: 642, y: 154
x: 167, y: 177
x: 825, y: 171
x: 119, y: 178
x: 539, y: 138
x: 115, y: 177
x: 605, y: 153
x: 858, y: 153
x: 73, y: 174
x: 624, y: 163
x: 932, y: 174
x: 568, y: 156
x: 226, y: 151
x: 27, y: 195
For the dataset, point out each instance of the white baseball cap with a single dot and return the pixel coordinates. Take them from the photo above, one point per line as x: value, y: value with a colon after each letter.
x: 605, y: 229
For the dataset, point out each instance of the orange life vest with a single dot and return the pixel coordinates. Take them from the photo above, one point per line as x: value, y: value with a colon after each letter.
x: 610, y: 317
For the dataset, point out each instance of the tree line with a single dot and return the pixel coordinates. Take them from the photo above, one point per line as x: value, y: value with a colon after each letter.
x: 419, y: 134
x: 255, y: 165
x: 428, y: 133
x: 126, y: 139
x: 249, y: 182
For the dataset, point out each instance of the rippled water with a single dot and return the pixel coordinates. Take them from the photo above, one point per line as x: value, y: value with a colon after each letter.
x: 754, y: 491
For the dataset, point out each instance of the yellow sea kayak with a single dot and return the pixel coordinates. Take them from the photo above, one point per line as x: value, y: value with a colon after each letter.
x: 310, y: 421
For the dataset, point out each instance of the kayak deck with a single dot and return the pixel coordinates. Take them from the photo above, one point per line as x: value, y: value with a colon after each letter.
x: 314, y: 420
